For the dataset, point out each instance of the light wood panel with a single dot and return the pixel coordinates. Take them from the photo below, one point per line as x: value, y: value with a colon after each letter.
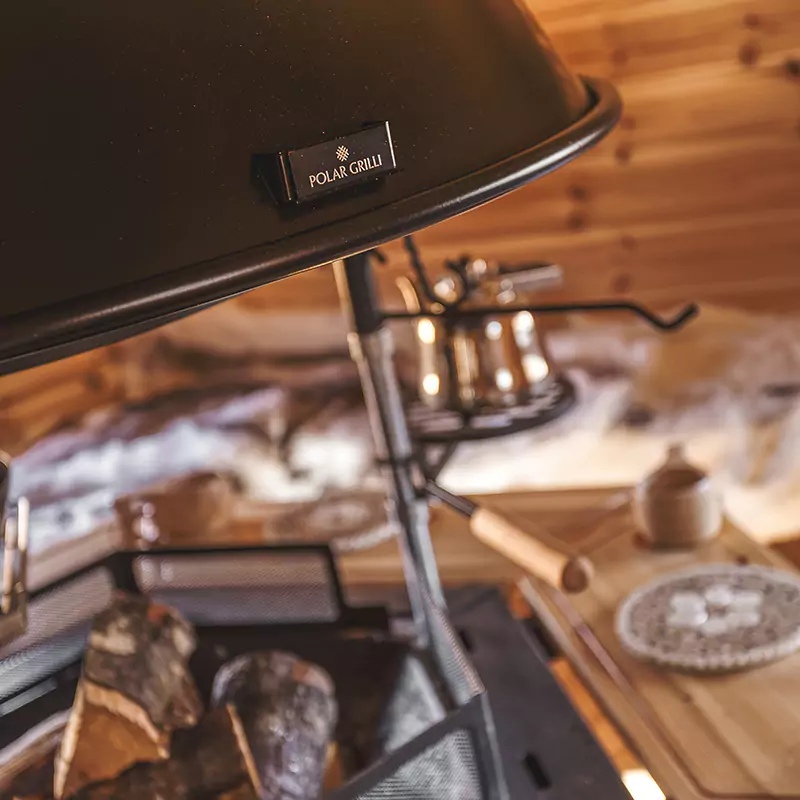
x: 623, y: 39
x: 743, y: 259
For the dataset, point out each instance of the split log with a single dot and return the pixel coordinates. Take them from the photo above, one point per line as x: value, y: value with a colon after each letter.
x: 206, y: 762
x: 134, y: 690
x: 185, y: 707
x: 284, y: 713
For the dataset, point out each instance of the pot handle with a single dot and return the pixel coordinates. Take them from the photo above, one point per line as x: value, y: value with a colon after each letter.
x: 570, y: 573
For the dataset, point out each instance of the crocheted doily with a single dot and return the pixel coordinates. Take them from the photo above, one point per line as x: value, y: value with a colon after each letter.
x: 713, y: 618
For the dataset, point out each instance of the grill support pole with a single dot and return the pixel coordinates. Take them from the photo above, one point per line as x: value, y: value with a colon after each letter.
x: 372, y: 348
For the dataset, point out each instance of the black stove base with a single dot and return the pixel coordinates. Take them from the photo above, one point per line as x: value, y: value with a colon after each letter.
x: 547, y: 750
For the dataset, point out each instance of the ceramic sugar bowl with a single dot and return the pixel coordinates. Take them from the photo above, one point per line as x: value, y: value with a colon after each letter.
x: 677, y: 505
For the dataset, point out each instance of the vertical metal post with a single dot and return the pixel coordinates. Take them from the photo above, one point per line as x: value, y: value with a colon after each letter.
x: 372, y: 348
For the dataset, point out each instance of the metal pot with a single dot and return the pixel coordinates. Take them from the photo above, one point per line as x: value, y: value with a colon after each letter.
x: 469, y: 363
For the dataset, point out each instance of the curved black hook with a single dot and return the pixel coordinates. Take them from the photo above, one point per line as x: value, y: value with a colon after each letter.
x: 453, y: 308
x: 678, y: 321
x: 688, y: 312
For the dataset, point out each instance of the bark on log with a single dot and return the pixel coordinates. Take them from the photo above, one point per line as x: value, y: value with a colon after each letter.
x: 134, y: 690
x: 284, y: 712
x: 206, y: 763
x: 186, y: 706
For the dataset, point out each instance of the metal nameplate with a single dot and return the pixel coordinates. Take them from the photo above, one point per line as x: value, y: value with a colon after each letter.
x: 337, y: 164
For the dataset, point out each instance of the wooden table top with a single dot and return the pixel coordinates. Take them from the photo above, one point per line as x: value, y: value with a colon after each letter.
x: 721, y: 736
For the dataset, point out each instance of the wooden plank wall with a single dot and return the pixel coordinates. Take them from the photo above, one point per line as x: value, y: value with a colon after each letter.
x: 696, y: 195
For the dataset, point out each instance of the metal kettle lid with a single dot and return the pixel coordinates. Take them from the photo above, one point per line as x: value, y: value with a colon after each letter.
x: 132, y: 191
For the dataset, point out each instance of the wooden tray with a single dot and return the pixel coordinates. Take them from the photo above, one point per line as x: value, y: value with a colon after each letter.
x: 731, y: 736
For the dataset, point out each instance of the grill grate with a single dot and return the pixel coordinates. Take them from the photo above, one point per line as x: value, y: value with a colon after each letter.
x: 446, y: 771
x: 462, y: 680
x: 252, y: 588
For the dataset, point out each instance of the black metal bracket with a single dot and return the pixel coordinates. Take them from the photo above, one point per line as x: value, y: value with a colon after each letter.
x: 453, y: 308
x: 457, y: 267
x: 688, y: 312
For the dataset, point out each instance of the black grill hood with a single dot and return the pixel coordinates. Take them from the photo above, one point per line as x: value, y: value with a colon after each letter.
x: 139, y: 143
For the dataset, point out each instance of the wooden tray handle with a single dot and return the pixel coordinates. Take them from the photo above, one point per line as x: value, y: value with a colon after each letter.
x: 569, y: 573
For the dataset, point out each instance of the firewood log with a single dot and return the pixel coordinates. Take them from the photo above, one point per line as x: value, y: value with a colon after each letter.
x: 334, y: 769
x: 185, y: 707
x: 284, y: 713
x: 206, y: 762
x: 134, y: 690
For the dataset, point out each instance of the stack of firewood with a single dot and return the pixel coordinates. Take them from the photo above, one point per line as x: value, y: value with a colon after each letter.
x: 137, y: 730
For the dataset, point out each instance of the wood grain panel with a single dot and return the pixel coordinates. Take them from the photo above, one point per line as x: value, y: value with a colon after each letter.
x: 680, y: 255
x: 726, y: 259
x: 696, y: 194
x: 718, y: 101
x: 702, y: 736
x: 668, y: 183
x: 622, y: 39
